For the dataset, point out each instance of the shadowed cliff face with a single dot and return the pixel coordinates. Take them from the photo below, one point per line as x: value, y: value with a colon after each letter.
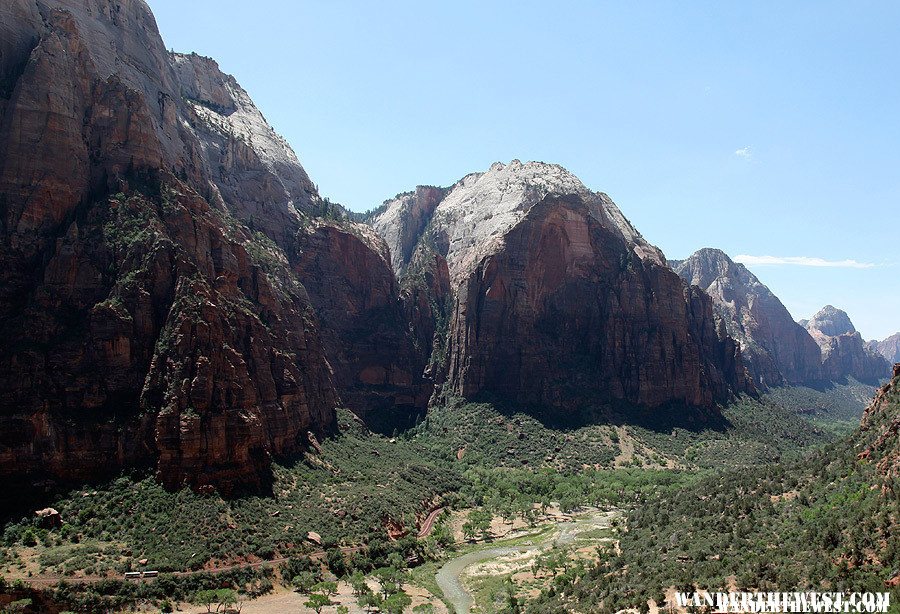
x: 71, y: 120
x: 775, y: 348
x: 377, y: 366
x: 344, y: 266
x: 555, y: 299
x: 564, y: 314
x: 153, y: 337
x: 151, y: 223
x: 427, y: 303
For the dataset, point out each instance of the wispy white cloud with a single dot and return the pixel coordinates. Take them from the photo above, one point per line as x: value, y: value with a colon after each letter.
x: 802, y: 261
x: 744, y: 152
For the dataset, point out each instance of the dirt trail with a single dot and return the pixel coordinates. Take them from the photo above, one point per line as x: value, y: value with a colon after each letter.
x: 626, y: 448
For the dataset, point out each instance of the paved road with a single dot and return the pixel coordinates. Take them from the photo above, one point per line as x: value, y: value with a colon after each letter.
x: 428, y: 525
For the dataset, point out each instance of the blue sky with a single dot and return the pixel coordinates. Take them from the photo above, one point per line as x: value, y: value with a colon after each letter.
x: 762, y: 128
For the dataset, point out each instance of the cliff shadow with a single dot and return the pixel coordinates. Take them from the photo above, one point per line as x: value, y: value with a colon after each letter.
x: 828, y: 385
x: 661, y: 419
x: 392, y: 420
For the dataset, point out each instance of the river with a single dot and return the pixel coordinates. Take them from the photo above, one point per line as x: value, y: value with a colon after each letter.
x: 449, y: 575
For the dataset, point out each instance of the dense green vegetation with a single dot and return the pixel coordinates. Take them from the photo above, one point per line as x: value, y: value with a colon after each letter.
x: 358, y: 483
x: 115, y: 594
x: 755, y: 433
x: 513, y: 491
x: 835, y: 407
x: 705, y: 495
x: 347, y: 493
x: 822, y: 523
x: 748, y: 432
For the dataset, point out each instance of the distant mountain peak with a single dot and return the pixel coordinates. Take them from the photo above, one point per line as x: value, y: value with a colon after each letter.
x: 710, y: 263
x: 713, y: 252
x: 831, y: 321
x: 776, y: 349
x: 889, y: 348
x: 843, y: 350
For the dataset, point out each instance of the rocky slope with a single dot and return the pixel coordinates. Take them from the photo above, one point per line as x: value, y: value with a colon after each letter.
x: 879, y: 435
x: 556, y: 298
x: 889, y: 348
x: 344, y: 266
x: 843, y: 350
x: 776, y: 349
x: 156, y: 299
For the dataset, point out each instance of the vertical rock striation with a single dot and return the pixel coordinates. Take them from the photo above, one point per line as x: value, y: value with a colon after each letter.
x: 377, y: 366
x: 404, y: 220
x: 343, y: 265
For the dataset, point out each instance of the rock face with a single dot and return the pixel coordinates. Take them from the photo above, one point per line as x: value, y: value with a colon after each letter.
x: 830, y: 322
x: 252, y: 168
x: 154, y: 338
x: 879, y: 435
x: 557, y: 300
x: 889, y: 348
x: 404, y: 220
x: 427, y: 301
x: 377, y: 366
x: 775, y: 349
x: 344, y: 266
x: 843, y: 350
x: 154, y: 246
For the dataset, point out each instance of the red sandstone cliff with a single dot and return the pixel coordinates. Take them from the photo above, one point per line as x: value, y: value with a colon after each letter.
x: 377, y: 366
x: 557, y: 300
x: 154, y: 236
x: 343, y: 265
